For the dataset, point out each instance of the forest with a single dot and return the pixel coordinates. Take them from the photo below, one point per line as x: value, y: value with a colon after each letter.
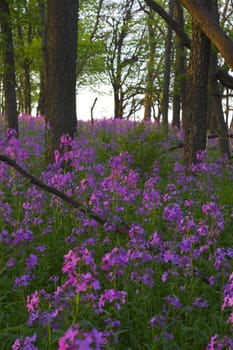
x: 116, y: 233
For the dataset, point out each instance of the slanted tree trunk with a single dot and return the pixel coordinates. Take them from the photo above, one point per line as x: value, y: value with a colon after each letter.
x: 179, y: 80
x: 60, y: 78
x: 195, y: 117
x: 9, y: 67
x: 209, y: 26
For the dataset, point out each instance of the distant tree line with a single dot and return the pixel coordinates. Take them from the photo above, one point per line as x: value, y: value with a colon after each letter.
x: 167, y: 55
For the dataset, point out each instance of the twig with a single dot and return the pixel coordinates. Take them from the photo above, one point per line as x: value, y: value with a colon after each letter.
x: 92, y: 108
x: 119, y: 227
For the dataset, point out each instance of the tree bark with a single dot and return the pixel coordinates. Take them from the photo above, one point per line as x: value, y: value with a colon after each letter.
x: 9, y: 67
x: 27, y: 86
x: 195, y: 117
x: 60, y: 73
x: 148, y: 101
x: 215, y: 112
x: 180, y: 70
x: 167, y: 70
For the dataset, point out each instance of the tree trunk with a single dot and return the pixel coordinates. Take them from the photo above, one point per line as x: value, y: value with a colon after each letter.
x: 60, y: 78
x: 27, y: 86
x: 9, y: 67
x: 167, y: 70
x: 216, y: 120
x: 118, y: 103
x: 41, y: 101
x: 179, y: 80
x: 42, y: 34
x: 195, y: 118
x: 148, y: 102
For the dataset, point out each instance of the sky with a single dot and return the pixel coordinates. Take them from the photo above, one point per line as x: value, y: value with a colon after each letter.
x: 104, y: 106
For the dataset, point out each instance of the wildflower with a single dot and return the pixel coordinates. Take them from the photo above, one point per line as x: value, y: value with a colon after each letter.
x: 22, y: 281
x: 75, y: 339
x: 158, y: 320
x: 167, y: 335
x: 216, y: 343
x: 32, y: 261
x: 33, y: 301
x: 174, y: 301
x: 199, y: 302
x: 111, y: 295
x: 172, y: 212
x: 25, y: 343
x: 185, y: 245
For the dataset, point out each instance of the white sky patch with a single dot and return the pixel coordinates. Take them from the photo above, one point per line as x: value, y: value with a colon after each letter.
x: 104, y: 107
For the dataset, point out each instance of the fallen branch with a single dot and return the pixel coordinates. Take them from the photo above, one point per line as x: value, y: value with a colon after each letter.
x: 179, y: 144
x: 119, y: 227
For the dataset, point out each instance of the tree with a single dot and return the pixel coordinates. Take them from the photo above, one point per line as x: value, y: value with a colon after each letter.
x: 180, y: 69
x: 212, y: 29
x: 167, y: 69
x: 216, y: 121
x: 91, y: 62
x: 195, y: 137
x: 60, y: 72
x: 148, y: 100
x: 9, y: 67
x: 195, y: 114
x: 124, y: 36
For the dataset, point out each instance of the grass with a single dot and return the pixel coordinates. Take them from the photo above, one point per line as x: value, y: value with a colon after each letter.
x: 67, y: 282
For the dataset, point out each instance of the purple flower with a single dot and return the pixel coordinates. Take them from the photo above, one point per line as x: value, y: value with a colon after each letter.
x: 110, y: 296
x: 32, y: 260
x: 22, y: 281
x: 158, y: 320
x: 174, y: 301
x: 185, y: 245
x: 167, y: 335
x: 216, y: 343
x: 22, y: 236
x: 75, y: 339
x: 199, y: 302
x: 172, y: 212
x: 228, y: 294
x: 25, y: 343
x: 33, y: 301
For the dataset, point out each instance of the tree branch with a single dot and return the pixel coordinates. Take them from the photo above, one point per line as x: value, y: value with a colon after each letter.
x: 121, y: 227
x: 209, y: 26
x: 171, y: 22
x: 225, y: 78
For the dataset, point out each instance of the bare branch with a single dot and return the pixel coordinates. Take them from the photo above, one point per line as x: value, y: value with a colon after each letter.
x: 121, y: 227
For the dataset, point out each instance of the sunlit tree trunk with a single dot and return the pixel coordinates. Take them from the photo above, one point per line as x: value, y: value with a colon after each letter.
x: 9, y: 67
